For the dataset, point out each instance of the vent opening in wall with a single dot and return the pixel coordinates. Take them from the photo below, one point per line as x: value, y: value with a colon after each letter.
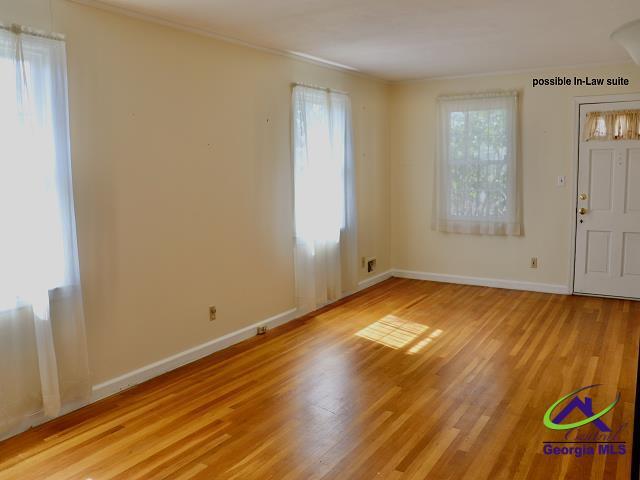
x: 371, y: 265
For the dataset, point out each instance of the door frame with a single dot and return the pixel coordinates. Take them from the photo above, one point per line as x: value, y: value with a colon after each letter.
x: 575, y: 153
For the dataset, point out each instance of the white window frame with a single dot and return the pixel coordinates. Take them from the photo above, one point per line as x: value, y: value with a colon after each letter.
x: 474, y: 212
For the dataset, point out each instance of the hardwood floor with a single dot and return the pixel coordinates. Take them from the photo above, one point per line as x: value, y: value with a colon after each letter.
x: 409, y: 379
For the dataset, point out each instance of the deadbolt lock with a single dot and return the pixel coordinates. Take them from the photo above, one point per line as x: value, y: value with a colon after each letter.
x: 582, y: 196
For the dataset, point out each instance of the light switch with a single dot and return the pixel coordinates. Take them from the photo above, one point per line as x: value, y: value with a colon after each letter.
x: 560, y: 182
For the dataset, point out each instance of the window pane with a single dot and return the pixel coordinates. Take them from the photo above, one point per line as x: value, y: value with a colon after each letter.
x: 477, y: 163
x: 476, y: 190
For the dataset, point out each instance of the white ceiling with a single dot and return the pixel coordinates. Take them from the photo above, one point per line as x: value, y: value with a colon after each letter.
x: 405, y: 39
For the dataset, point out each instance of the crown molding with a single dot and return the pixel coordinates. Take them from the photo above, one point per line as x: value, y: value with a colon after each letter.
x: 313, y: 60
x: 519, y: 71
x: 302, y: 57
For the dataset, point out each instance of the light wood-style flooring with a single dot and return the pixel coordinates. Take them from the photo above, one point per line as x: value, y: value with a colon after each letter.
x: 406, y: 380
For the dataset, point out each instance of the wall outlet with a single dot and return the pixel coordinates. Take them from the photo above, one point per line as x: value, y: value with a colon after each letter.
x: 212, y: 313
x: 534, y: 262
x: 261, y: 330
x: 371, y: 264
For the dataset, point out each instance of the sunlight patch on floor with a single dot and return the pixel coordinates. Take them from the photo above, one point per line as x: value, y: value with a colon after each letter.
x: 424, y: 342
x: 392, y: 331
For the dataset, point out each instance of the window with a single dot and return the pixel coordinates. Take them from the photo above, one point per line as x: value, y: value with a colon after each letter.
x: 324, y: 200
x: 476, y: 188
x: 613, y: 125
x: 35, y: 170
x: 41, y: 314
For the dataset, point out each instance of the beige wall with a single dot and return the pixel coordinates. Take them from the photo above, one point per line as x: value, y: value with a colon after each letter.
x: 546, y: 135
x: 183, y: 182
x: 182, y: 179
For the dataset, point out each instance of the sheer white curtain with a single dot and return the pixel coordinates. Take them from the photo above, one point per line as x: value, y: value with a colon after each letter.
x: 42, y: 336
x: 476, y: 170
x: 324, y: 203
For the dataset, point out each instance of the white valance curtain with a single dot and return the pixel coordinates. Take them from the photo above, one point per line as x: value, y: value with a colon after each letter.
x: 613, y: 125
x: 324, y: 200
x: 42, y: 335
x: 476, y: 187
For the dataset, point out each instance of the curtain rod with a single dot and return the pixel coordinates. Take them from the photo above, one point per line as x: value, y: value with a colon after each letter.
x: 316, y: 87
x: 21, y: 29
x: 488, y: 94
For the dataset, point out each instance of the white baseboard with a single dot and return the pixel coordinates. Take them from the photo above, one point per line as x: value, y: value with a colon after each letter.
x: 371, y: 281
x: 155, y: 369
x: 135, y: 377
x: 130, y: 379
x: 484, y: 282
x: 152, y: 370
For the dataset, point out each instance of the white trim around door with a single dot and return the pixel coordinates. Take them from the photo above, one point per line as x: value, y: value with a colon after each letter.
x: 578, y: 101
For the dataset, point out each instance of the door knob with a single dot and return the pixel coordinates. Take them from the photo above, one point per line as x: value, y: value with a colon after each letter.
x: 582, y: 196
x: 582, y: 211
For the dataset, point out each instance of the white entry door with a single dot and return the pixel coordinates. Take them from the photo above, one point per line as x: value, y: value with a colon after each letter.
x: 608, y: 215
